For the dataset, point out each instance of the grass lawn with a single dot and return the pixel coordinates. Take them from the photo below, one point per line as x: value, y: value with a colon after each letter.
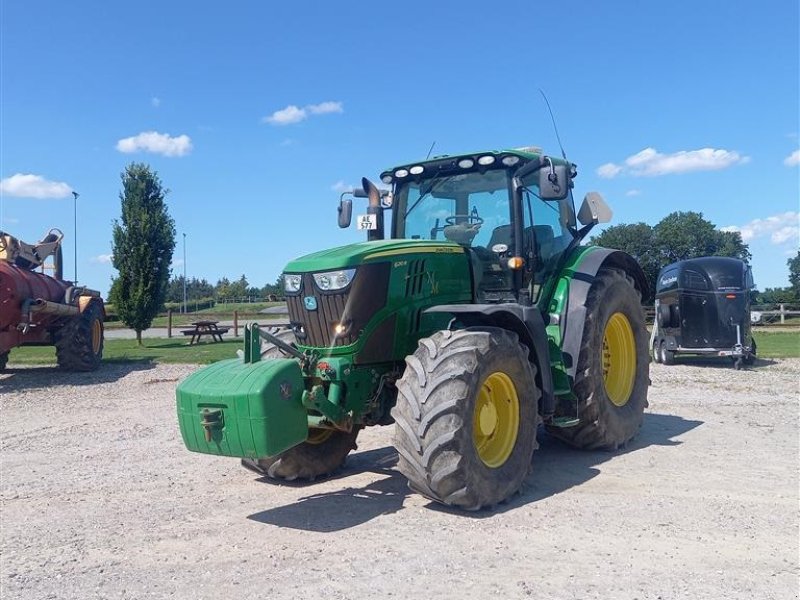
x: 777, y: 344
x: 159, y: 350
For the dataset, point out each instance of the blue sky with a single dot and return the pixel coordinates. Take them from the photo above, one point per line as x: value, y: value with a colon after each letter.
x: 255, y: 114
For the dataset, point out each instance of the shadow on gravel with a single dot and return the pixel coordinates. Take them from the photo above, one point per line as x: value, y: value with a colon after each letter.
x: 556, y: 468
x: 35, y: 377
x: 719, y: 362
x: 346, y: 507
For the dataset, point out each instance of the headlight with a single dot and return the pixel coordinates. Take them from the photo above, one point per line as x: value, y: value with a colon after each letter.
x: 291, y: 283
x: 334, y: 280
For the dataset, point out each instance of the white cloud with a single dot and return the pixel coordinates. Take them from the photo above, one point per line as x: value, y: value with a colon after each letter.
x: 294, y: 114
x: 26, y: 185
x: 156, y: 143
x: 103, y: 259
x: 632, y: 193
x: 780, y: 228
x: 341, y: 187
x: 793, y: 159
x: 324, y: 108
x: 609, y: 170
x: 155, y: 101
x: 287, y: 116
x: 651, y: 163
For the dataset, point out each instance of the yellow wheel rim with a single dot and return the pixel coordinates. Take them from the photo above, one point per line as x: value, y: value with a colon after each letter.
x: 495, y: 422
x: 619, y: 359
x: 97, y: 335
x: 318, y: 436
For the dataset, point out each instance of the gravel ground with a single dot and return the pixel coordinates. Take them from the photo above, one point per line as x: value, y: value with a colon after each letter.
x: 101, y: 500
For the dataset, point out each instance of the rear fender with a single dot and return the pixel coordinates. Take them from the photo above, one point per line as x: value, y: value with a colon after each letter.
x: 583, y: 275
x: 526, y: 322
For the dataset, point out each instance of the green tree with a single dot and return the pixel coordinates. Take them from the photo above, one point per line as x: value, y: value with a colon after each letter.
x: 682, y: 235
x: 143, y: 243
x: 239, y: 287
x: 637, y: 240
x: 794, y: 274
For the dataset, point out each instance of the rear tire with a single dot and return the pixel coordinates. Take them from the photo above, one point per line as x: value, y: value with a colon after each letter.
x: 325, y: 451
x: 656, y: 352
x: 79, y: 342
x: 612, y: 375
x: 466, y: 417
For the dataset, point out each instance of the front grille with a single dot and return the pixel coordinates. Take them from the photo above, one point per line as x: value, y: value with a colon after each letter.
x: 354, y: 306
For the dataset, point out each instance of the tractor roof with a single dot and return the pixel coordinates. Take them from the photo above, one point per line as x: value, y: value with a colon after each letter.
x: 450, y: 163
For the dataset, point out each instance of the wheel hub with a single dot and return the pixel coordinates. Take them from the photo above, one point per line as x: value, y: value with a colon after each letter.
x: 618, y: 359
x: 495, y: 421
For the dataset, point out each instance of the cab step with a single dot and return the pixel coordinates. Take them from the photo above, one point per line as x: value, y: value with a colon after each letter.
x: 564, y: 422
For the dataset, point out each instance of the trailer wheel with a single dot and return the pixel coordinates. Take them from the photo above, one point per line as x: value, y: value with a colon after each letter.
x: 323, y: 453
x: 656, y: 352
x: 3, y: 360
x: 667, y: 356
x: 79, y: 342
x: 612, y: 375
x: 750, y: 358
x: 466, y: 417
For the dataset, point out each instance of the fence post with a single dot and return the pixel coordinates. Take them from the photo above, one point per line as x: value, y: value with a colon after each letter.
x: 169, y: 323
x: 235, y: 323
x: 783, y: 314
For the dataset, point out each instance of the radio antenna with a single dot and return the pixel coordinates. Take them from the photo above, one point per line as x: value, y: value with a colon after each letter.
x: 553, y: 119
x: 430, y: 150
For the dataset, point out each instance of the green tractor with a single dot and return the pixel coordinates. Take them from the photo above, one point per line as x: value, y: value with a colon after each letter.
x: 479, y: 318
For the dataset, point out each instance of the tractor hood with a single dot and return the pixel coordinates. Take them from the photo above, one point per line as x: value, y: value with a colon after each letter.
x: 353, y: 255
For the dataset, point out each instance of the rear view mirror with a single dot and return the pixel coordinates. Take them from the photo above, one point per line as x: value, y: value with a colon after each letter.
x: 594, y: 210
x: 553, y: 182
x: 345, y: 212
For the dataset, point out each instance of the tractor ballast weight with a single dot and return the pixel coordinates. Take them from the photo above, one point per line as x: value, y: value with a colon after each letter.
x: 479, y: 318
x: 39, y: 309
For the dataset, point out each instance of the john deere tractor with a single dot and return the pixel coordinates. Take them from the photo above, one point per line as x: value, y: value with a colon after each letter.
x: 471, y: 320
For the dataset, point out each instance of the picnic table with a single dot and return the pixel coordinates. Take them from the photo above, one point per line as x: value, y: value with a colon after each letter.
x: 209, y: 328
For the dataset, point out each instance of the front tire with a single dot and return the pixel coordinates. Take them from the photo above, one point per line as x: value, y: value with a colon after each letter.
x: 466, y: 417
x: 79, y: 343
x: 324, y: 452
x: 613, y: 367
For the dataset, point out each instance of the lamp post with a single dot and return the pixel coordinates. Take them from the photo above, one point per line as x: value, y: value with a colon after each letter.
x: 75, y: 230
x: 184, y: 274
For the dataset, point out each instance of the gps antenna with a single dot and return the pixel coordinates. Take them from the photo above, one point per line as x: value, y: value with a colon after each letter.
x: 552, y: 118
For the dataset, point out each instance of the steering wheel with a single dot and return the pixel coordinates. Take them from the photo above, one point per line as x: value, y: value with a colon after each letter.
x: 465, y: 220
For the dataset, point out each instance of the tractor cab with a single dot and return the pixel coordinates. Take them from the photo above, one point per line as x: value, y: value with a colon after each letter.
x: 512, y: 211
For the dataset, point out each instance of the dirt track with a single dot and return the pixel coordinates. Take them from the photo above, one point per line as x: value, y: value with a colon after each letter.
x: 101, y: 500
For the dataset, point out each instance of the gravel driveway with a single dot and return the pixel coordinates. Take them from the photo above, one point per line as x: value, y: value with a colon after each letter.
x: 101, y: 500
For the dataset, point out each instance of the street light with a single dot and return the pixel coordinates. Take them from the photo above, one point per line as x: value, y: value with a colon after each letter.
x: 75, y: 230
x: 184, y: 274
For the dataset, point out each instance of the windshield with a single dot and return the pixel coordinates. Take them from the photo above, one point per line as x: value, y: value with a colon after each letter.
x: 464, y: 208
